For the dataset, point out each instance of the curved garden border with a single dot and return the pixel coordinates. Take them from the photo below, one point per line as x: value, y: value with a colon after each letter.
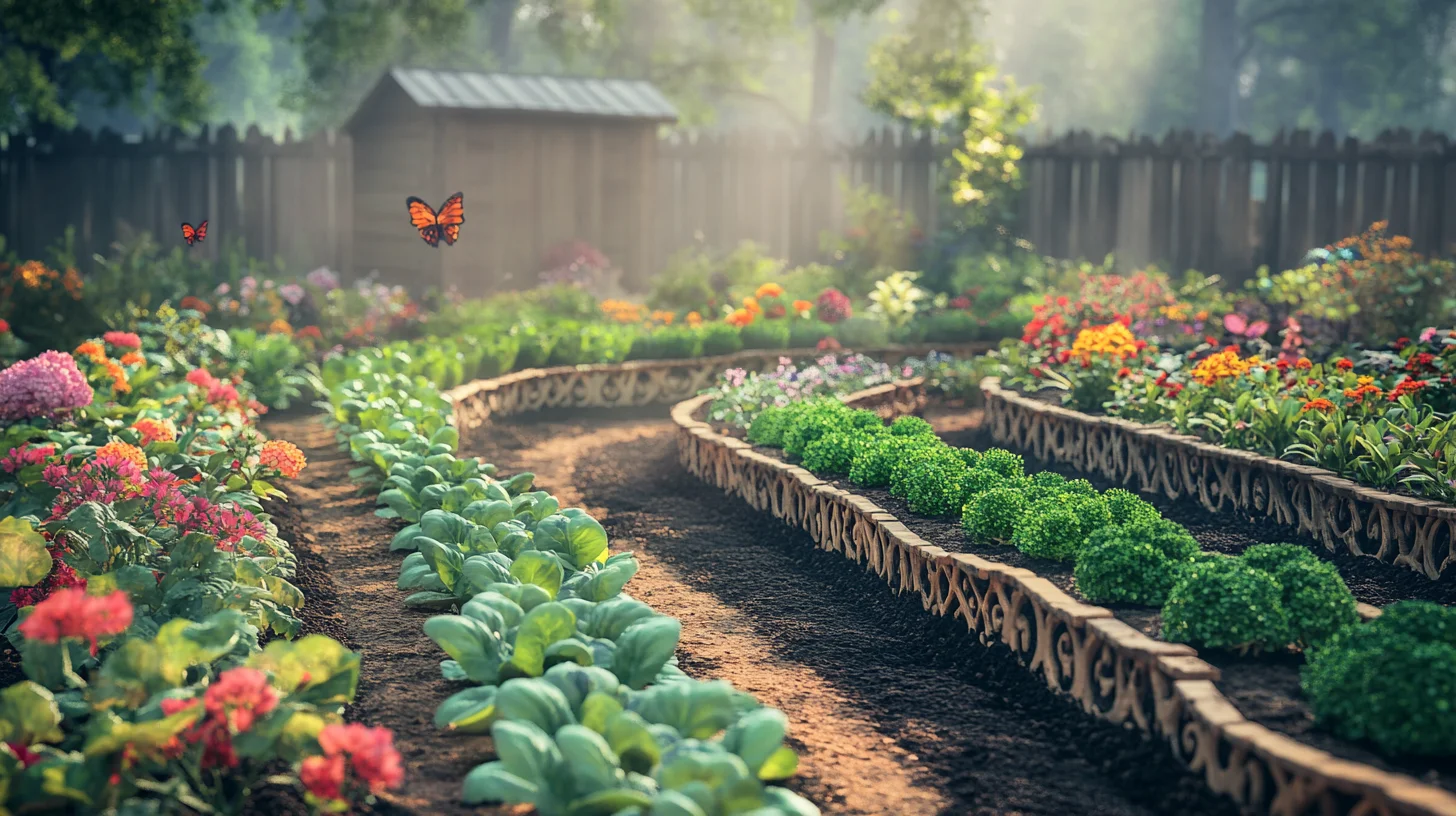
x: 632, y: 384
x: 1112, y: 670
x: 1416, y: 533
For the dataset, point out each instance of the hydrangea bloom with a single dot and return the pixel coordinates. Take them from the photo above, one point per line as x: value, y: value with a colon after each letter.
x: 42, y: 386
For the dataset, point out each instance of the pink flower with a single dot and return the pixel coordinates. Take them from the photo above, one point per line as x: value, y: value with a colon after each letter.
x: 370, y: 750
x: 201, y: 378
x: 239, y: 697
x: 323, y: 278
x: 1427, y: 333
x: 120, y: 339
x: 833, y: 306
x: 43, y: 386
x: 292, y: 293
x: 72, y: 614
x: 323, y: 776
x: 26, y: 455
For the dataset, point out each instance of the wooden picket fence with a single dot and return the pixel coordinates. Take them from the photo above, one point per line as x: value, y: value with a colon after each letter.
x: 1230, y: 206
x: 288, y: 199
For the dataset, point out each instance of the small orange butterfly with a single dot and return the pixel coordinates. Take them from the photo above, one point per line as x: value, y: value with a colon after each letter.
x: 434, y: 226
x: 194, y: 235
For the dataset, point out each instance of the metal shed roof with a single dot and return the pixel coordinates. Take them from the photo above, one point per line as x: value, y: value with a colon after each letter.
x: 581, y: 96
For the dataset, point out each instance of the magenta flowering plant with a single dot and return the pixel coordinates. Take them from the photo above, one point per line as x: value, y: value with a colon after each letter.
x: 48, y: 386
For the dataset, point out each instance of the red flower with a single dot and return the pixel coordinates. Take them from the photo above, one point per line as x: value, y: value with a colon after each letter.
x: 1401, y: 342
x: 1320, y: 404
x: 1344, y: 364
x: 201, y: 377
x: 323, y: 776
x: 1421, y: 362
x: 120, y: 339
x: 370, y: 750
x: 72, y: 614
x: 1124, y: 372
x: 1303, y: 364
x: 26, y: 756
x: 4, y: 327
x: 239, y: 697
x: 1406, y: 387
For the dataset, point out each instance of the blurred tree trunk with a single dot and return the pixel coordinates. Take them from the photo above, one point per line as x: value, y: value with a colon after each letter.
x: 1219, y: 68
x: 824, y: 48
x: 501, y: 21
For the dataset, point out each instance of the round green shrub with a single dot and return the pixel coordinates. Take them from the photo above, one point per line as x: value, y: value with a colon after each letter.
x: 1226, y: 604
x: 766, y: 334
x: 813, y: 421
x: 862, y: 333
x: 911, y: 426
x: 970, y: 456
x: 834, y: 452
x: 1003, y: 462
x: 806, y: 334
x: 952, y: 327
x: 1127, y: 507
x: 993, y: 513
x: 1391, y: 681
x: 900, y: 470
x: 868, y: 420
x: 873, y: 466
x: 1167, y: 537
x: 1273, y: 557
x: 933, y: 484
x: 1057, y: 527
x: 768, y: 427
x: 1119, y: 568
x: 1044, y: 484
x: 978, y: 480
x: 720, y: 338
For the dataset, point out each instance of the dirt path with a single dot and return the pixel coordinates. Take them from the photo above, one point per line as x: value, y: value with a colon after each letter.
x: 400, y: 683
x: 893, y: 711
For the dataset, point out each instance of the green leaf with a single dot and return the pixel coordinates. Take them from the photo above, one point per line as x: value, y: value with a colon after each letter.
x: 471, y: 643
x: 588, y: 758
x: 535, y: 701
x: 24, y: 560
x: 632, y: 739
x: 491, y: 782
x: 539, y: 568
x: 598, y: 709
x: 443, y: 558
x: 471, y: 711
x: 541, y: 627
x: 644, y: 648
x: 29, y: 714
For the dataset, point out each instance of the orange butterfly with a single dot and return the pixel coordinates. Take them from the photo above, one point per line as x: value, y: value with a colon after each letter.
x: 435, y: 226
x: 194, y: 235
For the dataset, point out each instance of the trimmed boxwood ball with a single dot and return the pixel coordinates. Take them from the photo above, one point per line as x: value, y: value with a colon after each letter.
x: 978, y: 480
x: 970, y: 456
x: 834, y: 452
x: 1391, y: 681
x: 1315, y: 596
x: 1044, y: 484
x: 1168, y: 537
x: 933, y: 485
x: 911, y: 426
x: 1224, y: 603
x: 768, y: 427
x: 721, y: 338
x: 813, y: 421
x: 1056, y: 527
x: 900, y: 469
x: 1003, y: 462
x: 1126, y: 507
x: 992, y: 514
x: 866, y: 420
x: 873, y: 465
x: 1134, y: 563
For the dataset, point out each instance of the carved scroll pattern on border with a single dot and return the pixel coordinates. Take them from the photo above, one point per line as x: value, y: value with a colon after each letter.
x: 1341, y: 515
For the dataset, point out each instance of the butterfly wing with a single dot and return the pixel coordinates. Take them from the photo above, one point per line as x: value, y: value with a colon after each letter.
x: 201, y: 231
x: 423, y: 218
x: 451, y: 216
x: 189, y: 234
x: 1257, y: 329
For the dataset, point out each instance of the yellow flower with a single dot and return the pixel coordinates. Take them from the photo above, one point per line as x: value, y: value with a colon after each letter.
x: 1223, y: 365
x: 1113, y: 340
x: 280, y: 326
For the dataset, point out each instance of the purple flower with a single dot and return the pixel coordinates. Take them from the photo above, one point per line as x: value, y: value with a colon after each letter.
x: 291, y: 292
x: 42, y: 386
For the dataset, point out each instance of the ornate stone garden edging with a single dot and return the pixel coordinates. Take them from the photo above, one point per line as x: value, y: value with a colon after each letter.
x: 1112, y: 670
x: 1339, y: 513
x: 633, y: 384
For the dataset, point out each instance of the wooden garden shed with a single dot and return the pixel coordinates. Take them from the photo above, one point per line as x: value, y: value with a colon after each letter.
x: 541, y: 160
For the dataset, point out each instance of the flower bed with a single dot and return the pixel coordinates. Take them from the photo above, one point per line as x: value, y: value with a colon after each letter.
x: 151, y: 602
x: 576, y: 682
x: 1114, y: 670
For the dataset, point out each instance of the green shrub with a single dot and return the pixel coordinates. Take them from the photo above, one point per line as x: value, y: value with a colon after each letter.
x: 862, y: 334
x: 535, y: 348
x: 873, y: 466
x: 867, y: 420
x: 1003, y: 462
x: 806, y: 334
x: 1314, y: 595
x: 1056, y: 527
x: 970, y: 456
x: 720, y: 338
x: 933, y: 485
x: 766, y: 334
x: 911, y: 426
x: 1391, y: 681
x: 993, y: 513
x: 1126, y: 507
x: 978, y: 480
x: 1224, y: 603
x: 1134, y: 563
x: 768, y: 427
x: 900, y: 470
x: 815, y: 419
x: 951, y: 327
x: 667, y: 343
x: 1044, y: 484
x: 834, y: 452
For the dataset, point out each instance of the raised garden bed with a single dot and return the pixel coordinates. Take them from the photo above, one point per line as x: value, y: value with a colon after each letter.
x: 1111, y: 667
x: 1340, y: 514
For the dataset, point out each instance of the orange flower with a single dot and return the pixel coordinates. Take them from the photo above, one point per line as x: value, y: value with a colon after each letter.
x: 1323, y: 405
x: 280, y: 326
x: 769, y: 290
x: 665, y: 318
x: 154, y: 430
x: 133, y: 358
x: 309, y: 333
x: 118, y: 450
x: 1303, y: 364
x: 803, y: 307
x: 284, y: 457
x: 751, y: 304
x: 740, y: 318
x: 1344, y: 364
x: 694, y: 319
x: 119, y: 383
x: 92, y: 351
x: 195, y: 304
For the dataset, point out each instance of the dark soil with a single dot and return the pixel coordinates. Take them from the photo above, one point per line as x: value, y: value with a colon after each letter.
x: 1264, y: 688
x: 865, y: 676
